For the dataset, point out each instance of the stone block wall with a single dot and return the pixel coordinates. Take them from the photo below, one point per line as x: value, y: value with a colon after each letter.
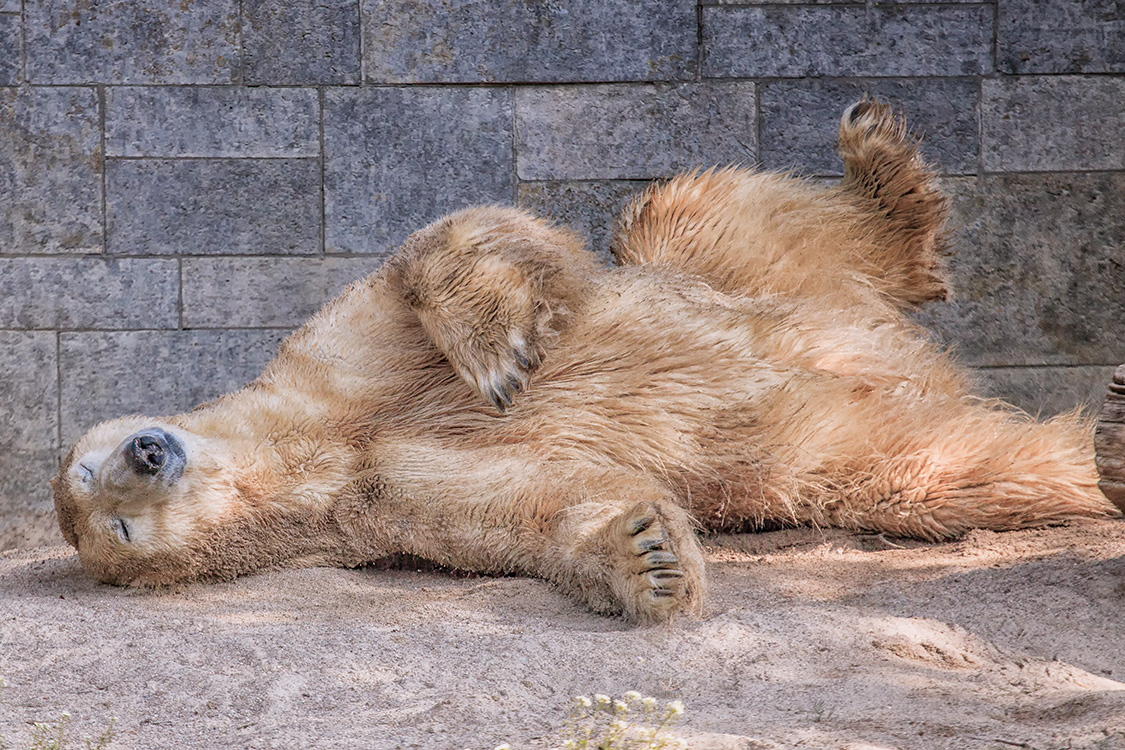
x: 181, y: 183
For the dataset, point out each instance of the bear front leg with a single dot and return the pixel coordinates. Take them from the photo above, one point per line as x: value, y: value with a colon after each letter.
x: 492, y: 287
x: 615, y: 540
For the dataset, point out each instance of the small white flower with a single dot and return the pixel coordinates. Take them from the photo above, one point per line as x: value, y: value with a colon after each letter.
x: 505, y: 746
x: 649, y: 702
x: 602, y: 700
x: 676, y: 708
x: 632, y: 696
x: 618, y: 725
x: 583, y: 701
x: 620, y: 707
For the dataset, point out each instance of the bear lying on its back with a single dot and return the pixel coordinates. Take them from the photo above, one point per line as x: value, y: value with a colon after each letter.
x: 493, y: 400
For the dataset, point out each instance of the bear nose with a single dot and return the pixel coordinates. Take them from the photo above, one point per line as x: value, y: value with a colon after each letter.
x: 146, y: 452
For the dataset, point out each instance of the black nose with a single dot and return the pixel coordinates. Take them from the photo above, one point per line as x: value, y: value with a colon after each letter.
x: 146, y: 452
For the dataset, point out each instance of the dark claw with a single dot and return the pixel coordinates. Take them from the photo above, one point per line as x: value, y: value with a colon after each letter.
x: 859, y: 110
x: 660, y: 559
x: 640, y: 524
x: 522, y: 360
x: 494, y: 397
x: 515, y: 385
x: 662, y: 593
x: 650, y: 544
x: 660, y: 576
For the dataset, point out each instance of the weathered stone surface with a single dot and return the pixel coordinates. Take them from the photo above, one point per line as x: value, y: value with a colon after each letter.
x: 590, y: 208
x: 213, y: 206
x: 10, y: 6
x: 794, y: 42
x: 111, y: 374
x: 300, y: 41
x: 1046, y: 391
x: 800, y: 119
x: 1053, y: 123
x: 633, y: 132
x: 1037, y: 271
x: 396, y: 159
x: 264, y: 292
x: 11, y: 63
x: 88, y: 293
x: 136, y: 42
x: 1061, y: 36
x: 28, y: 435
x: 50, y: 171
x: 255, y: 122
x: 514, y: 40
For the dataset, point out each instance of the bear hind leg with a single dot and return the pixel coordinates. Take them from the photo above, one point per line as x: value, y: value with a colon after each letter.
x: 886, y: 178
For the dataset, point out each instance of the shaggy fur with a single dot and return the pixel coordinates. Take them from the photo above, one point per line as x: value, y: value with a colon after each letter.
x: 493, y: 400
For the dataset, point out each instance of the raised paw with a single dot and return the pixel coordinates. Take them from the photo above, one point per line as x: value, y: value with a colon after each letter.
x: 497, y: 367
x: 874, y: 121
x: 660, y: 569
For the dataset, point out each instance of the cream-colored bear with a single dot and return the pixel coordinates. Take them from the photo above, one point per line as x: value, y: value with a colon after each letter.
x: 494, y: 400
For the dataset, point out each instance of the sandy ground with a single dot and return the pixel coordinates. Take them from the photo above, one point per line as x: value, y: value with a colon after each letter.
x: 814, y: 639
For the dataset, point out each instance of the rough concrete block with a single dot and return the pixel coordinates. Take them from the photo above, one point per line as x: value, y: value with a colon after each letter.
x: 28, y: 435
x: 591, y: 208
x: 50, y: 171
x: 794, y: 42
x: 213, y: 206
x: 11, y: 6
x: 136, y: 42
x: 11, y: 64
x: 800, y: 120
x: 254, y: 122
x: 264, y: 292
x: 300, y: 41
x: 1053, y: 123
x: 1047, y: 391
x: 88, y: 293
x: 396, y: 159
x: 633, y: 132
x: 112, y: 374
x: 1037, y: 271
x: 1061, y: 36
x: 513, y: 40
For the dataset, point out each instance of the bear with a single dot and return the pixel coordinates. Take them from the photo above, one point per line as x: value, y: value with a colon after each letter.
x: 494, y: 400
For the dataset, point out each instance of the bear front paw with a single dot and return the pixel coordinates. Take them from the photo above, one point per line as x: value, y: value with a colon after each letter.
x: 659, y: 565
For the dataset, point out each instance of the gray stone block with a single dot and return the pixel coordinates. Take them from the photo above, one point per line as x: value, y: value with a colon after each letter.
x: 800, y: 120
x: 208, y: 121
x: 1061, y: 36
x: 1037, y: 271
x: 11, y: 62
x: 513, y: 40
x: 264, y: 292
x: 112, y: 374
x: 397, y: 158
x: 213, y: 206
x: 1047, y: 391
x: 633, y: 131
x: 1053, y: 123
x: 28, y: 435
x: 50, y: 171
x: 300, y: 41
x: 136, y: 42
x: 591, y: 208
x: 11, y: 6
x: 795, y: 42
x: 91, y: 293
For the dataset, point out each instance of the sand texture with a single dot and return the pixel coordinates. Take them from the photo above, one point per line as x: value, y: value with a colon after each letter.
x: 811, y: 638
